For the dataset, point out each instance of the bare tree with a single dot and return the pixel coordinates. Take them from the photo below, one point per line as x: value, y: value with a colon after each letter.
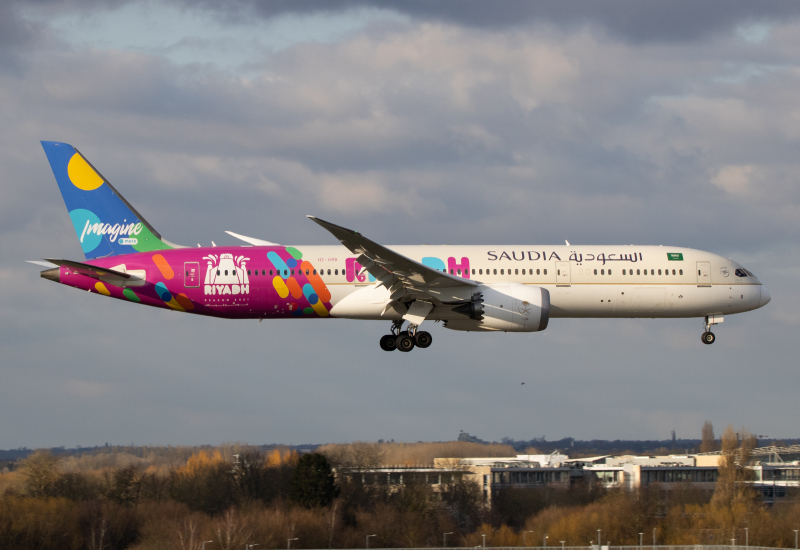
x: 231, y: 531
x: 708, y: 443
x: 732, y: 468
x: 40, y: 471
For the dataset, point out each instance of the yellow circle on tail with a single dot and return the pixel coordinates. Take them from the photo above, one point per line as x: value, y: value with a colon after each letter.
x: 82, y: 175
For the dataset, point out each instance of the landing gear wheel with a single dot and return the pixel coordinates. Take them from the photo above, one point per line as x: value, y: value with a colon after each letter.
x: 389, y: 342
x: 404, y: 342
x: 708, y: 337
x: 423, y: 339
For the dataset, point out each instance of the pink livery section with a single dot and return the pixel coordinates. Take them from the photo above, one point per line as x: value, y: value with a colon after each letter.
x: 230, y: 282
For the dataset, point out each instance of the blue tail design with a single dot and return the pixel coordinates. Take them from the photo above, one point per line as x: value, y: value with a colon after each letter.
x: 106, y: 224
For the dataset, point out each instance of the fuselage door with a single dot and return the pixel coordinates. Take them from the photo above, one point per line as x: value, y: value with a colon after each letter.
x: 562, y: 274
x: 703, y: 273
x: 191, y: 274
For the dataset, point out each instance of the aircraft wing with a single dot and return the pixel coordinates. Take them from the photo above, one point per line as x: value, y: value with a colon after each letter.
x: 90, y: 270
x: 401, y: 275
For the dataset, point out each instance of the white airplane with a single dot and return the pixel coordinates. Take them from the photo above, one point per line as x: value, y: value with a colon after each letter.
x: 505, y: 288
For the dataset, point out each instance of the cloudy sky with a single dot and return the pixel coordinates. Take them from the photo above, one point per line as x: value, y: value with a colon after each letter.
x: 463, y: 122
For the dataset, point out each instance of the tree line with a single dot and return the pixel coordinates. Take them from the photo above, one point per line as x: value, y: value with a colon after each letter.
x: 275, y: 499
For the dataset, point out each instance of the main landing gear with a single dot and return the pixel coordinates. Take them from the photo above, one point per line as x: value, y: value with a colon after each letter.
x: 708, y: 336
x: 405, y: 340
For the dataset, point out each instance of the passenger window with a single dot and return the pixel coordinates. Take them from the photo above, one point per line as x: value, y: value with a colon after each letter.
x: 558, y: 272
x: 226, y: 272
x: 595, y: 272
x: 673, y: 272
x: 248, y: 272
x: 545, y: 272
x: 293, y: 272
x: 680, y: 272
x: 264, y: 272
x: 451, y: 272
x: 502, y: 272
x: 480, y: 272
x: 329, y: 272
x: 659, y: 272
x: 623, y: 272
x: 516, y: 272
x: 609, y: 272
x: 270, y: 273
x: 218, y: 273
x: 495, y: 272
x: 637, y: 272
x: 473, y: 271
x: 459, y: 272
x: 537, y: 272
x: 602, y: 272
x: 306, y: 272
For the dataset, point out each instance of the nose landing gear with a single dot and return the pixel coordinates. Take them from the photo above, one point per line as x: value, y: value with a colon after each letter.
x: 708, y: 336
x: 405, y: 340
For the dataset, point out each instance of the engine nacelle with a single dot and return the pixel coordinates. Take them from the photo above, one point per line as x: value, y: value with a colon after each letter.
x: 509, y: 307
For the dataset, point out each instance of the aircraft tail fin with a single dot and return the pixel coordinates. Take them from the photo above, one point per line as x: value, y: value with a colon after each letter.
x: 106, y: 224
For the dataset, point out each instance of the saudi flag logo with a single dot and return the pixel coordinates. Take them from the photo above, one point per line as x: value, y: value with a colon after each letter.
x: 675, y: 256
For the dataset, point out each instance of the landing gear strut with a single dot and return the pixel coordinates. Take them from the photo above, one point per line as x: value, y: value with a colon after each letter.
x: 405, y: 340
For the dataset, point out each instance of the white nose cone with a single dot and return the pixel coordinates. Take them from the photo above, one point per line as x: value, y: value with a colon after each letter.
x: 765, y: 297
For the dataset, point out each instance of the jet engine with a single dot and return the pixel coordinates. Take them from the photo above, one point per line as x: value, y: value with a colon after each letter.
x: 508, y: 307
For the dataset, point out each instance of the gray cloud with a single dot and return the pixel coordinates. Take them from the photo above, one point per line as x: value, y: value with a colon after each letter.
x: 422, y: 132
x: 637, y: 21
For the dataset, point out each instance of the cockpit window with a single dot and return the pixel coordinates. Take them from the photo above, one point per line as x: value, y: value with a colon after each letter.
x: 749, y: 272
x: 741, y: 273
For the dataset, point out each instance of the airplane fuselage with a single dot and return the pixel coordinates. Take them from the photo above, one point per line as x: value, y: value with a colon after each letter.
x: 268, y: 282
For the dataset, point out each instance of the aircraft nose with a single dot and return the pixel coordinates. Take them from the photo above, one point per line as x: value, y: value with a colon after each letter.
x: 765, y: 297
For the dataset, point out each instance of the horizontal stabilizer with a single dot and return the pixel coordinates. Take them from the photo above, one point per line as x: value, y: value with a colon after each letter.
x: 251, y: 240
x: 41, y: 263
x: 89, y: 270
